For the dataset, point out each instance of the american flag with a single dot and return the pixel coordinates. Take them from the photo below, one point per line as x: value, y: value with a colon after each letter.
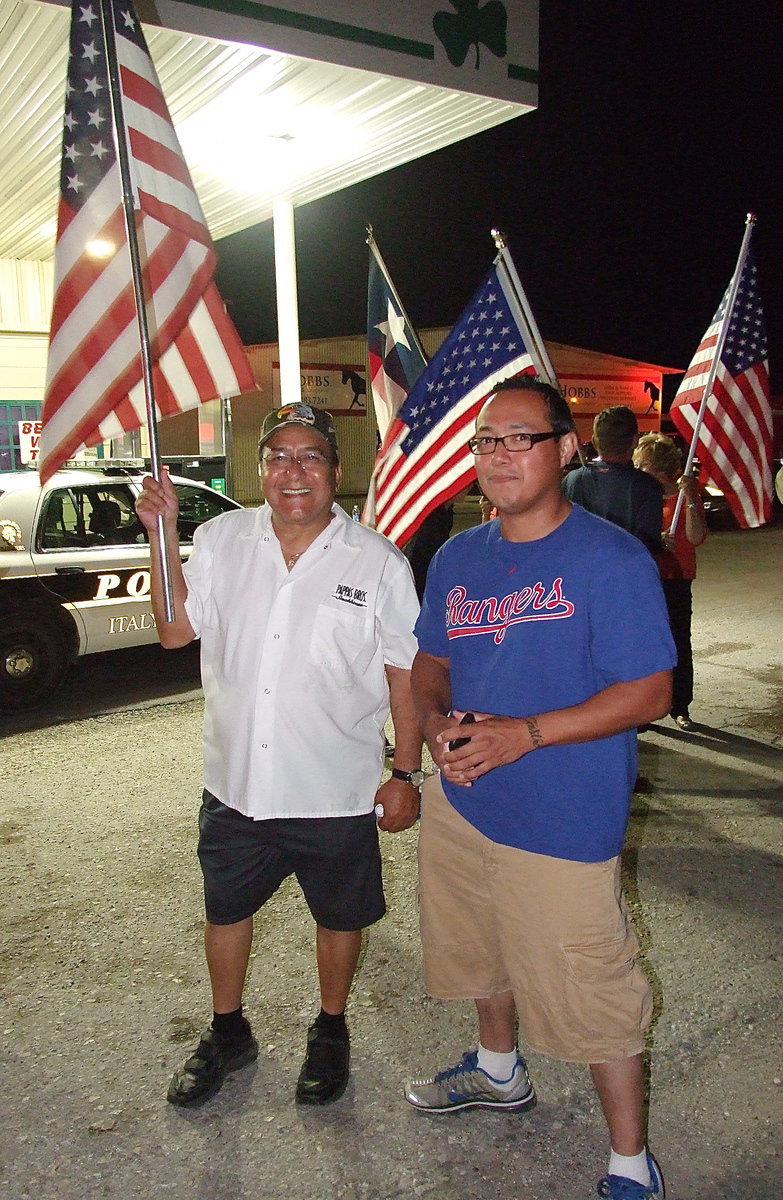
x: 427, y: 460
x: 94, y: 388
x: 735, y: 440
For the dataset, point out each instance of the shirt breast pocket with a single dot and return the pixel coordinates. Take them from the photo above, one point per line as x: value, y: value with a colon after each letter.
x: 341, y: 646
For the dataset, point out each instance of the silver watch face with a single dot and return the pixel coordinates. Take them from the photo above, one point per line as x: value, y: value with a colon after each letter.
x: 414, y: 778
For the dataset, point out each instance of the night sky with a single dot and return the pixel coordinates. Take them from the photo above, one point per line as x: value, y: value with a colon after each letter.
x: 623, y: 197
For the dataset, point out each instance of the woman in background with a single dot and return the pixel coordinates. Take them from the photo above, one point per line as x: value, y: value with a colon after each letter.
x: 659, y: 456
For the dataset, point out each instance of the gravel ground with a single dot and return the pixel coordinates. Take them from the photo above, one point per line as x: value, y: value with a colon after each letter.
x: 103, y: 989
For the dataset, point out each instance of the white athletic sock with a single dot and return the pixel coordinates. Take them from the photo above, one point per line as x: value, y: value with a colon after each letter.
x: 633, y: 1167
x: 500, y: 1066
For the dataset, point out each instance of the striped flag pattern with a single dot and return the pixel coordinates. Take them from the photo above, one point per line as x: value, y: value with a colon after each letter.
x: 735, y: 440
x: 426, y: 459
x: 94, y: 388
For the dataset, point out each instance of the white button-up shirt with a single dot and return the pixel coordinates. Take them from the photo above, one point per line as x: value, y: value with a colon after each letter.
x: 293, y: 662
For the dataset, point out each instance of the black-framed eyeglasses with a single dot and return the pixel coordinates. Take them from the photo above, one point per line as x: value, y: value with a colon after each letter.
x: 514, y: 443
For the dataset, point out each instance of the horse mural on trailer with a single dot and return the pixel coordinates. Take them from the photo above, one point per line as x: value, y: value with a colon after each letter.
x: 652, y: 390
x: 358, y: 386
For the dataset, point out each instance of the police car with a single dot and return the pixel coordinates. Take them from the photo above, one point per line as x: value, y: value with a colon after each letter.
x: 75, y: 570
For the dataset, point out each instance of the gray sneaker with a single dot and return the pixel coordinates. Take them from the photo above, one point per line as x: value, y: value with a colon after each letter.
x: 467, y: 1086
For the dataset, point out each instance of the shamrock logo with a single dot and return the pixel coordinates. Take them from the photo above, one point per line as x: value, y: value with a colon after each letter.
x: 473, y: 24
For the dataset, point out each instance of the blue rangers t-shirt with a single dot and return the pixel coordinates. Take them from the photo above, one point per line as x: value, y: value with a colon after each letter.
x: 529, y: 627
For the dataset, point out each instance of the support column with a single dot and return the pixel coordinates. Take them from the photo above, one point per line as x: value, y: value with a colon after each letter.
x: 287, y: 307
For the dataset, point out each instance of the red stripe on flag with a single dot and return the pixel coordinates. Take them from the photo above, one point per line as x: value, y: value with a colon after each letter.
x: 197, y: 368
x: 159, y: 156
x: 144, y: 93
x: 175, y: 218
x: 87, y: 271
x: 118, y: 315
x: 407, y: 531
x: 229, y: 337
x: 407, y: 469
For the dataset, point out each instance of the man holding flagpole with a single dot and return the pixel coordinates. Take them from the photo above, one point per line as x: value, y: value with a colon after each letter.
x: 543, y: 644
x: 305, y: 619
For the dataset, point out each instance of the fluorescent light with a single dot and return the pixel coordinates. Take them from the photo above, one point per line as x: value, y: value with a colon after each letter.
x: 266, y: 143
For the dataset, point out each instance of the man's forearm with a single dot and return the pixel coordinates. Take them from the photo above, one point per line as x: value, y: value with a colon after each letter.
x: 617, y: 707
x: 431, y: 684
x: 407, y: 730
x: 179, y: 631
x: 498, y: 740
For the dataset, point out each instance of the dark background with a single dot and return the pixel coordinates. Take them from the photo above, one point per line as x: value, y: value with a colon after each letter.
x: 623, y: 196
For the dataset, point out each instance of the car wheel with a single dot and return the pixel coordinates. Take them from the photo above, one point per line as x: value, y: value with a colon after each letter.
x: 33, y: 658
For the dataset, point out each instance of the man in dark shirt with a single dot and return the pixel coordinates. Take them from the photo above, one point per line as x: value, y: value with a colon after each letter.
x: 612, y: 487
x: 434, y: 530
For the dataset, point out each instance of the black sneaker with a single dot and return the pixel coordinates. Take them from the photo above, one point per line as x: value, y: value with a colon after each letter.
x: 326, y: 1068
x: 203, y: 1073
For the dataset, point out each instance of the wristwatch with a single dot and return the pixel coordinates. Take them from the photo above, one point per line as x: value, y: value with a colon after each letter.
x: 414, y: 778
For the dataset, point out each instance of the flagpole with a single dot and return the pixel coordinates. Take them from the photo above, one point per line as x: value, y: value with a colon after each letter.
x: 123, y: 162
x: 750, y: 221
x: 544, y: 364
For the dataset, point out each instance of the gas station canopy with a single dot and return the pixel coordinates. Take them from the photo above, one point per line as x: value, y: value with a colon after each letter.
x: 271, y: 103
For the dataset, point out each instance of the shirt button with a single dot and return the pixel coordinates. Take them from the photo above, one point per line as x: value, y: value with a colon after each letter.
x: 263, y: 746
x: 266, y: 691
x: 277, y: 637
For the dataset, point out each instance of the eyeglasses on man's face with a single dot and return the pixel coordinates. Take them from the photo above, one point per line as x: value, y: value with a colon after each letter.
x: 308, y: 460
x: 514, y: 443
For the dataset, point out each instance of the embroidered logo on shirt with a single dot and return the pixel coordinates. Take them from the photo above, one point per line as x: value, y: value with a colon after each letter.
x: 351, y: 595
x: 470, y: 618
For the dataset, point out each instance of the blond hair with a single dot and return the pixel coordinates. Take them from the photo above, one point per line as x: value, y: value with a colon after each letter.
x: 658, y: 454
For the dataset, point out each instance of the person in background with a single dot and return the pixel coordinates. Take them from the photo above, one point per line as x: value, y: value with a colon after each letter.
x: 434, y: 530
x: 547, y: 630
x: 305, y: 619
x: 611, y: 486
x: 660, y: 457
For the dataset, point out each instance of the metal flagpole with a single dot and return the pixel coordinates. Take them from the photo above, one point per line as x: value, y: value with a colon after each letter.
x: 538, y: 349
x: 544, y: 365
x: 123, y: 162
x: 750, y: 221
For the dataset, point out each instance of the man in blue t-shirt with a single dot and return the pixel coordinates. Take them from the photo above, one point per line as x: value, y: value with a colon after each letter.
x: 546, y: 629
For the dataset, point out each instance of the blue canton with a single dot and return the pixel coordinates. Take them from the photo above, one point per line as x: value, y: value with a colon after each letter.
x: 478, y: 348
x: 746, y: 338
x: 88, y: 139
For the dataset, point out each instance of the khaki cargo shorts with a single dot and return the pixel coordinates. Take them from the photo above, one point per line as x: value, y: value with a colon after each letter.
x: 555, y: 932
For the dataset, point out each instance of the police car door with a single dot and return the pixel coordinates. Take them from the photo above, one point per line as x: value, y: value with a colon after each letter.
x: 91, y: 550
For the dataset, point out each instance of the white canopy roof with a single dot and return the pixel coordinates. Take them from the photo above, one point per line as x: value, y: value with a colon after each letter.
x: 256, y: 124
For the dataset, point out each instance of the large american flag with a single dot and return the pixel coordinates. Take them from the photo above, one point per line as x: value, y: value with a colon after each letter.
x: 426, y: 459
x: 94, y: 388
x: 735, y: 440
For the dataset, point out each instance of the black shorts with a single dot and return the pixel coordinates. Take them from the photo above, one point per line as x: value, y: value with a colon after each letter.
x: 336, y: 861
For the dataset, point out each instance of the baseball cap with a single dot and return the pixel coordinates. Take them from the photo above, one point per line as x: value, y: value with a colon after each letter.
x: 299, y: 414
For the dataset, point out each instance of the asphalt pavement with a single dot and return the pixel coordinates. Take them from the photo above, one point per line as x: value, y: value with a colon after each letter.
x: 103, y: 989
